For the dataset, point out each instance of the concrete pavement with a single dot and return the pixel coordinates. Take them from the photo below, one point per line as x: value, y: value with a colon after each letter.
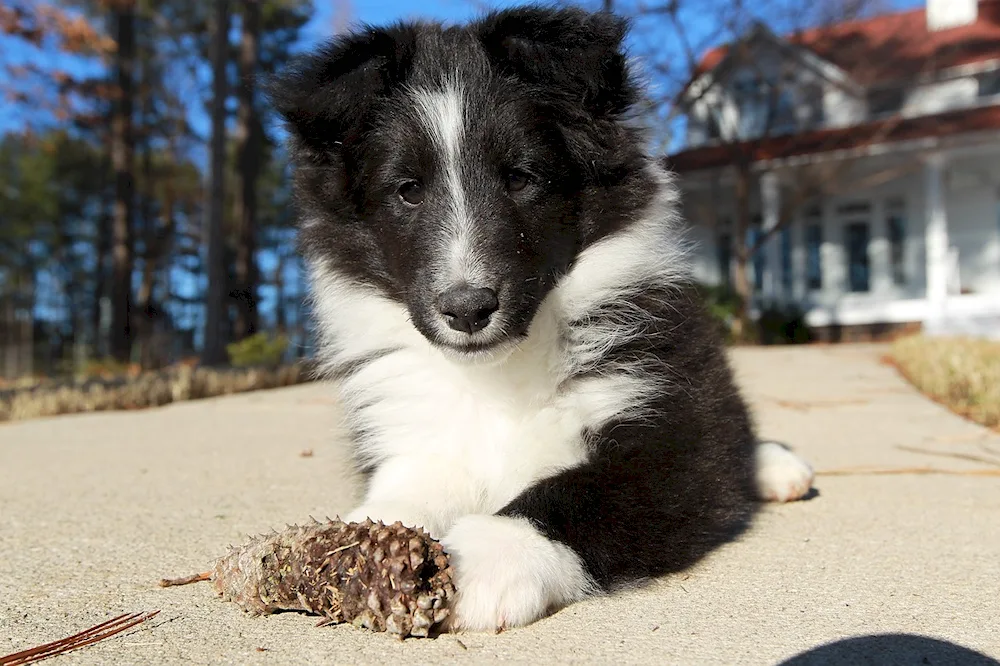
x: 95, y: 509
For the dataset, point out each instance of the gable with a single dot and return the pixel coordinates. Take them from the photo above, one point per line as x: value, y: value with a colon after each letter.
x: 762, y: 55
x: 889, y: 47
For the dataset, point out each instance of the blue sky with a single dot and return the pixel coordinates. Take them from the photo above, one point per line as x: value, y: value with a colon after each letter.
x: 382, y: 11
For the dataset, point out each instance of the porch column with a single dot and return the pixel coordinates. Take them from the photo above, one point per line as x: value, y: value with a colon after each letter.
x: 936, y: 235
x: 879, y: 252
x: 770, y: 199
x: 800, y: 289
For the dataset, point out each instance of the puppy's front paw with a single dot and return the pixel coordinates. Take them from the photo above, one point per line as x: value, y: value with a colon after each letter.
x: 507, y: 574
x: 782, y: 476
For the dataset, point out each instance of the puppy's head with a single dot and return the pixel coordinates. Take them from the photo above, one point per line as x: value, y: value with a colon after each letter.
x: 461, y: 170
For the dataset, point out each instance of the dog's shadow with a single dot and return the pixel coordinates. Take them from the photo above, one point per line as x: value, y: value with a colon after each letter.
x: 890, y: 650
x: 812, y: 493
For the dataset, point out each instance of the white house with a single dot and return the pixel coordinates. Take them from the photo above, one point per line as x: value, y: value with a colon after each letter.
x: 895, y: 123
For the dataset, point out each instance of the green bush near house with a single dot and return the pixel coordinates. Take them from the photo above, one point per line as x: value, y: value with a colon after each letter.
x: 723, y: 305
x: 783, y: 326
x: 259, y: 349
x: 775, y: 326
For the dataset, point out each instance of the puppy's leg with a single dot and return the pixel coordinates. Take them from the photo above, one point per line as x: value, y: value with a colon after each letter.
x: 781, y: 475
x: 416, y: 493
x: 629, y: 514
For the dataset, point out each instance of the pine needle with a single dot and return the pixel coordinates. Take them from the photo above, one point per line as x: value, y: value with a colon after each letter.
x: 89, y: 636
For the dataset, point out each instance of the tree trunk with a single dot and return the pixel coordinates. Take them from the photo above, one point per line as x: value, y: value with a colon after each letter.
x: 214, y: 351
x: 142, y: 321
x: 27, y: 291
x: 102, y: 248
x: 741, y: 285
x: 281, y: 304
x: 8, y: 336
x: 122, y: 158
x: 248, y: 165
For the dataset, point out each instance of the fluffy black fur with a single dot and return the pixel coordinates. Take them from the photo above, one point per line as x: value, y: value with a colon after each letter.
x: 661, y: 491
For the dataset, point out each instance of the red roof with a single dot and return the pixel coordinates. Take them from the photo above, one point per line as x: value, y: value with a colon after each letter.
x: 897, y: 45
x: 827, y: 140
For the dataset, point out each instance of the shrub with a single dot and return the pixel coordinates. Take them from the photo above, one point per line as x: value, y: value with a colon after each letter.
x: 783, y: 326
x: 723, y: 305
x: 259, y: 349
x: 100, y: 367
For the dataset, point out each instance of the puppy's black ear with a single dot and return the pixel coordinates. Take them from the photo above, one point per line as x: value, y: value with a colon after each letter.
x: 570, y: 52
x: 326, y: 96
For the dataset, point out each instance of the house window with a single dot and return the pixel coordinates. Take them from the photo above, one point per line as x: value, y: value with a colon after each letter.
x: 765, y: 106
x: 812, y: 109
x: 758, y: 260
x: 895, y: 218
x: 725, y: 258
x: 712, y: 128
x: 753, y: 119
x: 989, y: 83
x: 786, y: 260
x: 858, y: 270
x: 751, y: 95
x: 885, y: 101
x: 814, y: 256
x: 783, y: 118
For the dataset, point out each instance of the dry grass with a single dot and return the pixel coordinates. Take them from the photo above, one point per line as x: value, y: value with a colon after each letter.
x: 961, y: 373
x: 142, y: 390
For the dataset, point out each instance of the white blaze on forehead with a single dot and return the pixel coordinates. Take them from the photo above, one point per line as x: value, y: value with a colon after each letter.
x: 443, y: 114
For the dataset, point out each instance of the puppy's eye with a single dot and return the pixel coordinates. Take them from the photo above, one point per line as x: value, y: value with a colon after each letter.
x: 412, y: 192
x: 517, y: 180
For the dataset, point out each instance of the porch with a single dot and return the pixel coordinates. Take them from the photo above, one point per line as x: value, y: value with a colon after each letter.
x: 918, y: 248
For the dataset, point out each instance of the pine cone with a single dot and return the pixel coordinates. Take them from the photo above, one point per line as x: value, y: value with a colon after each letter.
x: 385, y: 578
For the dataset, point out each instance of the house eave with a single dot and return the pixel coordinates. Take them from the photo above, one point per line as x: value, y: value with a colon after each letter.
x: 970, y: 127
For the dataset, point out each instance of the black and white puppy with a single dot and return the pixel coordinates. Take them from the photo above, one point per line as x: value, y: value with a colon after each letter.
x: 502, y: 293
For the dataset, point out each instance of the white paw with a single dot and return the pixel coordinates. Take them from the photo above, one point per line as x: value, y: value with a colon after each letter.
x: 507, y: 574
x: 782, y: 476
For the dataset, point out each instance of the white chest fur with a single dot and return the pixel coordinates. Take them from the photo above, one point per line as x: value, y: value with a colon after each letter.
x: 449, y: 439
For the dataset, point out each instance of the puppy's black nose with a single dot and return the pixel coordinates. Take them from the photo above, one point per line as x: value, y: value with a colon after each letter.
x: 468, y: 309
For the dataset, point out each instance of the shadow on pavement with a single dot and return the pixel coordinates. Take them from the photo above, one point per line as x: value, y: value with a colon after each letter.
x: 890, y: 650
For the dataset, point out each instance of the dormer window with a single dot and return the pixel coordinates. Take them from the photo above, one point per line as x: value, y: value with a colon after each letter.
x: 765, y: 107
x: 885, y: 101
x: 810, y: 112
x: 783, y: 118
x: 751, y: 100
x: 712, y: 127
x: 989, y: 83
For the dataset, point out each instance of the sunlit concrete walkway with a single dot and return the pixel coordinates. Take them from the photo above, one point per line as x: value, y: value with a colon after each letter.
x: 95, y: 509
